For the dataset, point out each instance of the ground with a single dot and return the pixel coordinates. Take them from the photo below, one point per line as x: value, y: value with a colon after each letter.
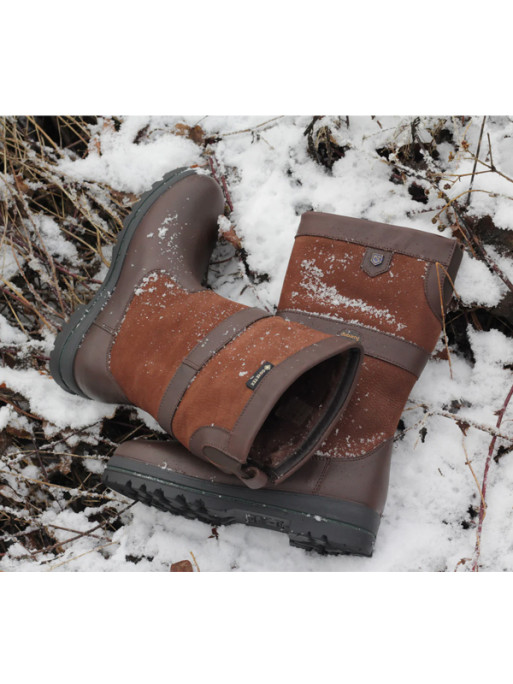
x: 66, y: 184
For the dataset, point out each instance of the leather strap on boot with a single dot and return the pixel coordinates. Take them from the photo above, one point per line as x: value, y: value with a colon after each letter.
x: 213, y: 342
x: 376, y: 343
x: 241, y: 450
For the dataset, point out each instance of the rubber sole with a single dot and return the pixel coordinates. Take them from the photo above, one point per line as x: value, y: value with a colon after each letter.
x: 73, y: 332
x: 313, y: 523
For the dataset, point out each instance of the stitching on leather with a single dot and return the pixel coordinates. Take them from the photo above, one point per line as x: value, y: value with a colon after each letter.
x: 433, y: 305
x: 381, y: 445
x: 188, y: 362
x: 212, y: 442
x: 445, y: 276
x: 169, y: 390
x: 104, y: 326
x: 395, y: 362
x: 115, y: 331
x: 132, y: 296
x: 108, y: 372
x: 355, y: 325
x: 383, y: 247
x: 322, y: 476
x: 421, y: 352
x: 198, y: 367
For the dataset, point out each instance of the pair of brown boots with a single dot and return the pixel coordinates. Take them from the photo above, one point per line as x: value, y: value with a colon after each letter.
x: 292, y: 416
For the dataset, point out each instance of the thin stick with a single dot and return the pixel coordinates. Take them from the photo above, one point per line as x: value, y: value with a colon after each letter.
x: 250, y: 130
x: 442, y: 307
x: 482, y: 252
x: 195, y: 561
x: 97, y: 548
x: 482, y: 509
x: 495, y: 170
x: 490, y: 151
x: 222, y: 179
x: 468, y: 462
x: 459, y: 419
x: 475, y: 162
x: 85, y: 533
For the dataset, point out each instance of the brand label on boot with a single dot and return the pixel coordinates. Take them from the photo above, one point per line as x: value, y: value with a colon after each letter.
x: 348, y: 334
x: 376, y: 262
x: 257, y: 377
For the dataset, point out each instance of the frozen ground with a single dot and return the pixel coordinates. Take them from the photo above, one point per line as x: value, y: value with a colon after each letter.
x: 434, y: 499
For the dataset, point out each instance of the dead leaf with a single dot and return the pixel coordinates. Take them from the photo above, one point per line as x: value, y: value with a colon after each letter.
x: 182, y: 566
x: 323, y: 147
x: 194, y: 133
x: 21, y: 186
x: 16, y: 432
x: 231, y: 236
x: 463, y: 426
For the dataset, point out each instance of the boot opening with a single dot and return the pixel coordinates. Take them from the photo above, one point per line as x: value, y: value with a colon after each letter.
x: 303, y: 414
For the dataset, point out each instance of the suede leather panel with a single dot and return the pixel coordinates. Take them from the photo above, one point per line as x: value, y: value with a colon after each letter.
x: 218, y: 394
x: 325, y: 277
x: 161, y: 326
x: 373, y: 412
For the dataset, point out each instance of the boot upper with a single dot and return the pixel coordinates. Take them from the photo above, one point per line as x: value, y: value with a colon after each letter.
x: 252, y: 393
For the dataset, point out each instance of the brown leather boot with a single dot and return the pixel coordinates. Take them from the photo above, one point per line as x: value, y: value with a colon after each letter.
x: 252, y: 393
x: 382, y: 284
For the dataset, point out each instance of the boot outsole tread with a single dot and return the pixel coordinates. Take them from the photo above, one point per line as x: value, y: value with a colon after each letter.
x: 306, y: 531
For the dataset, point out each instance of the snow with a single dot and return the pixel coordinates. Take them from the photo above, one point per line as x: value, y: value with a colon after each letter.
x: 53, y: 238
x: 477, y: 285
x: 132, y: 167
x: 318, y: 291
x: 8, y: 265
x: 52, y: 403
x: 272, y: 180
x: 8, y: 334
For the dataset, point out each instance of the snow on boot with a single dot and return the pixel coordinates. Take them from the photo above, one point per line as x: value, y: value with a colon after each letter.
x: 252, y: 393
x: 382, y: 284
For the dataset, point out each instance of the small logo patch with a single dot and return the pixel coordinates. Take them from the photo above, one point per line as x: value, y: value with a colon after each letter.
x: 259, y: 375
x: 377, y: 259
x: 347, y: 334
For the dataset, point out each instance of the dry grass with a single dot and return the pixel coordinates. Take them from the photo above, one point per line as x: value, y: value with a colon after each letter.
x: 41, y: 291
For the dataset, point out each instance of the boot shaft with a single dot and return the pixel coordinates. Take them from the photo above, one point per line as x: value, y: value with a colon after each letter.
x: 232, y: 384
x: 384, y: 285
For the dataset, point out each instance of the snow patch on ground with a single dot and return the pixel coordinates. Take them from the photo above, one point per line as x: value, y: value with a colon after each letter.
x: 272, y: 181
x: 129, y: 166
x: 8, y: 334
x: 476, y: 284
x: 51, y: 402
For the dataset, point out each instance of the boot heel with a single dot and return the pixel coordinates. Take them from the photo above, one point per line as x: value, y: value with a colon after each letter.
x: 334, y: 538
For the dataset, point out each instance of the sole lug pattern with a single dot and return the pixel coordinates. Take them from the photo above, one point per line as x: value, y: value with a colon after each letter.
x: 215, y: 510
